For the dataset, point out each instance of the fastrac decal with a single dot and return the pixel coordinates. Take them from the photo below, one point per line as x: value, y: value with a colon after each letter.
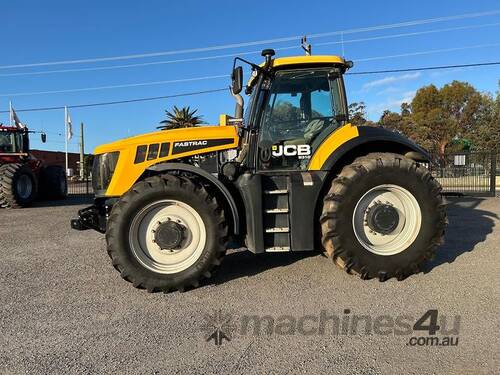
x: 187, y: 146
x: 301, y: 151
x: 190, y: 143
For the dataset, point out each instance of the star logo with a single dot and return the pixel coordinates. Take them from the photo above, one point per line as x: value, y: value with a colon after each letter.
x: 217, y: 327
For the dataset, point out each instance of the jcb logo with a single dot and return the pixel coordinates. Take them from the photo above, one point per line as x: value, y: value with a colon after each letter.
x: 302, y: 151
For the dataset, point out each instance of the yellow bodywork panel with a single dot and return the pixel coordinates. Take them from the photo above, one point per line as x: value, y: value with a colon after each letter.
x: 298, y: 60
x: 181, y: 143
x: 331, y: 144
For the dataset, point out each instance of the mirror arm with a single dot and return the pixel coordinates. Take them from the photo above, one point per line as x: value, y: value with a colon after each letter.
x: 254, y: 66
x: 238, y: 112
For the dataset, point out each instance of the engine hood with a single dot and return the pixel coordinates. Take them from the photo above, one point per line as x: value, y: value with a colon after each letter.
x: 196, y: 134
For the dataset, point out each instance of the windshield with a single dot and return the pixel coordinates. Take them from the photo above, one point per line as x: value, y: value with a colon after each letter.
x: 10, y: 142
x: 302, y: 107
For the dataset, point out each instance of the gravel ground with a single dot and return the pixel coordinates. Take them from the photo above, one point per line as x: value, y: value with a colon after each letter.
x: 65, y: 309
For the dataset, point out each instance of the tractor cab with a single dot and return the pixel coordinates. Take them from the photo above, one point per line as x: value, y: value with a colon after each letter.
x: 13, y: 141
x: 295, y: 104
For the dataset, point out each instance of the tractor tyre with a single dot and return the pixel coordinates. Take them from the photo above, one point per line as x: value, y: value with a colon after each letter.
x: 166, y: 233
x: 53, y: 183
x: 383, y: 217
x: 18, y: 186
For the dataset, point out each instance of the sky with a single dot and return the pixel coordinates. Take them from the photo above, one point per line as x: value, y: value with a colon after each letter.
x: 39, y: 33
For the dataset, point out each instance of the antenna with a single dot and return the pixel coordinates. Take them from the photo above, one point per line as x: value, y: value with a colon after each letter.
x: 342, y: 40
x: 305, y: 46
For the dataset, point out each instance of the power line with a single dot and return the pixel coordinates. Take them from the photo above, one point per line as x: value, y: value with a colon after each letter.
x: 129, y: 65
x: 401, y: 35
x: 425, y: 68
x: 224, y: 89
x: 259, y: 42
x: 428, y: 52
x: 124, y: 66
x: 115, y: 86
x: 118, y: 101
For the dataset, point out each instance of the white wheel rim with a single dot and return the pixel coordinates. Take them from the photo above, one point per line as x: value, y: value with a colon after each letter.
x: 149, y: 253
x: 408, y: 226
x: 24, y: 186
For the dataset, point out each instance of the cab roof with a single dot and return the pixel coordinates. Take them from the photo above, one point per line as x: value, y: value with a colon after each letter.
x: 301, y: 60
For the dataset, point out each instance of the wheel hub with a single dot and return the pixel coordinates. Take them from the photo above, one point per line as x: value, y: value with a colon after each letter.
x: 169, y: 235
x: 387, y: 219
x: 382, y: 218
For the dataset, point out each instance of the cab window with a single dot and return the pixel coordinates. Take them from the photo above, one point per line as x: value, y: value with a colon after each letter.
x: 302, y: 107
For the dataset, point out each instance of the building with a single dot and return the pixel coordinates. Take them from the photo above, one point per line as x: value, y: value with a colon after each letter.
x: 59, y: 158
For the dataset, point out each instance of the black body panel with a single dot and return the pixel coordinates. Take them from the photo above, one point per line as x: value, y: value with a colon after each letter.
x: 304, y: 194
x: 250, y: 188
x: 280, y: 209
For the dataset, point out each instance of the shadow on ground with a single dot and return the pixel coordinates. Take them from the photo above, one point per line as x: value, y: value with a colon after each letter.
x: 245, y: 264
x: 69, y: 201
x: 467, y: 227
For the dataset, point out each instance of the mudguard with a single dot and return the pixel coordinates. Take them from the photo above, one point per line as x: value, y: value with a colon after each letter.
x: 165, y: 167
x: 366, y: 139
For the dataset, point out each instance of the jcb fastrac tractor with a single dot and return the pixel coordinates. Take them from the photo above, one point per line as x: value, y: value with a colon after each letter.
x: 292, y: 174
x: 23, y: 177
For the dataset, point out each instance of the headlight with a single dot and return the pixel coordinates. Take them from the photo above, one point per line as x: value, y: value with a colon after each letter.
x: 102, y: 171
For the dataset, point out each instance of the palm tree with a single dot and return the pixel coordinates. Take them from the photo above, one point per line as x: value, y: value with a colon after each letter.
x: 180, y: 118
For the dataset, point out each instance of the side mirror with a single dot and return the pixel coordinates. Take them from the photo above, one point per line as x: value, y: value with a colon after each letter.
x: 43, y: 136
x: 237, y: 80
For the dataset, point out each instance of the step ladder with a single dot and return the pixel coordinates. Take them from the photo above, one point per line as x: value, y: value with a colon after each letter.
x: 276, y: 212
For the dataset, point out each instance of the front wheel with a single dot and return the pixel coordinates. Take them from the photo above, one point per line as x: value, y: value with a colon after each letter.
x: 166, y: 233
x: 383, y: 217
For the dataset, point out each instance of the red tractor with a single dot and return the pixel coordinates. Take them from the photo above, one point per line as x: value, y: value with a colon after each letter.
x: 23, y: 178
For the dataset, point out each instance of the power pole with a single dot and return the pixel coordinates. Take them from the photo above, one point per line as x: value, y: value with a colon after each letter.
x: 82, y: 152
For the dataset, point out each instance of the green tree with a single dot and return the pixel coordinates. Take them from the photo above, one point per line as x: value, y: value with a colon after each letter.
x: 486, y: 136
x: 441, y: 115
x: 180, y: 118
x: 392, y: 120
x: 400, y: 122
x: 88, y: 161
x: 357, y: 114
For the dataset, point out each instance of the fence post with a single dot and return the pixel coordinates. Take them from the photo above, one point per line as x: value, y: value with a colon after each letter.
x: 493, y: 173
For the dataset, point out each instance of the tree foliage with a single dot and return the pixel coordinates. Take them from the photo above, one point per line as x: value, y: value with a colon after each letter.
x: 357, y: 114
x: 180, y: 118
x: 438, y: 118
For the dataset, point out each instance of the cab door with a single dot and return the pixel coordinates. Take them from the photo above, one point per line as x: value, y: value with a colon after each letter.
x: 302, y: 108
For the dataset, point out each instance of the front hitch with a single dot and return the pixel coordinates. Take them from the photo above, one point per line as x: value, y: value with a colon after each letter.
x: 91, y: 217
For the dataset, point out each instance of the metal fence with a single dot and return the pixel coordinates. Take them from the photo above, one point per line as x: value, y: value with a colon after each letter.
x: 470, y: 173
x: 80, y: 187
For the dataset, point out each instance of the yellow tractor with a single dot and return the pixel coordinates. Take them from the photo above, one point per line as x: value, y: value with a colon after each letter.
x: 291, y: 174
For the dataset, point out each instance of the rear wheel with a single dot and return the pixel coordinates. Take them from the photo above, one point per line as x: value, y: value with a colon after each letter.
x: 17, y: 186
x: 166, y: 233
x: 53, y: 184
x: 383, y: 217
